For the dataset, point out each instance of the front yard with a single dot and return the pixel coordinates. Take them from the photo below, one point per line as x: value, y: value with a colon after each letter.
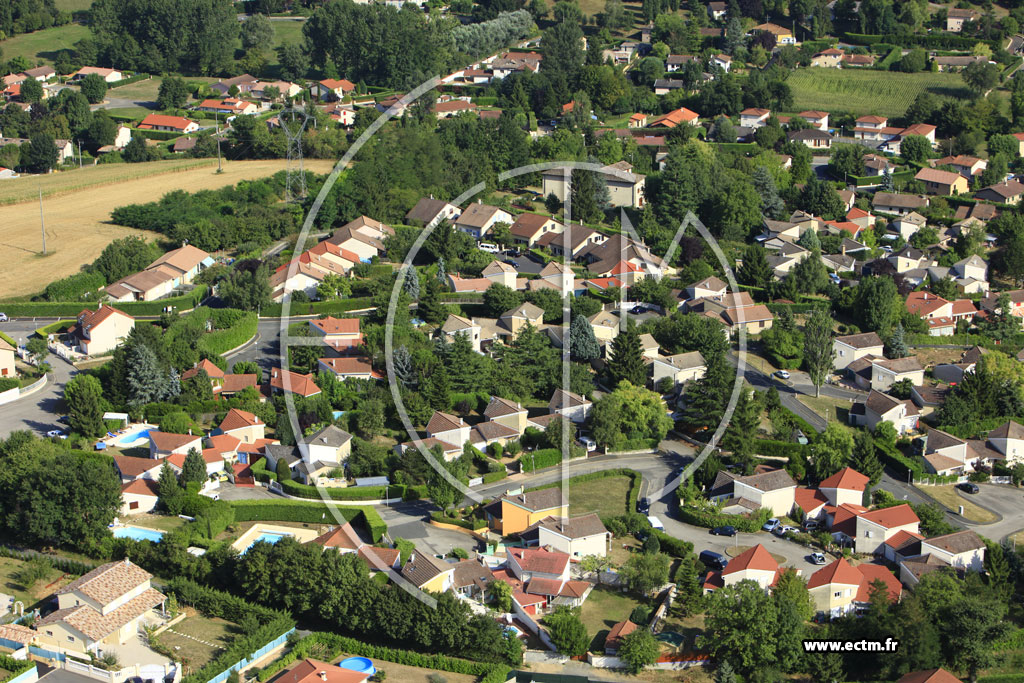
x: 603, y: 609
x: 947, y: 495
x: 197, y: 639
x: 607, y: 497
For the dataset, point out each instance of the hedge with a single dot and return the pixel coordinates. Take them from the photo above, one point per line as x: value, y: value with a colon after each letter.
x: 1002, y: 678
x: 672, y: 545
x: 328, y: 646
x: 128, y: 81
x: 539, y: 459
x: 711, y: 518
x: 220, y: 342
x: 8, y: 383
x: 310, y: 513
x: 796, y: 308
x: 157, y: 134
x: 16, y: 667
x: 492, y: 477
x: 464, y: 523
x: 56, y: 309
x: 52, y: 328
x: 933, y: 41
x: 631, y: 496
x: 317, y: 307
x: 73, y: 567
x: 779, y: 449
x: 892, y: 457
x: 218, y: 604
x: 1012, y: 641
x: 9, y: 340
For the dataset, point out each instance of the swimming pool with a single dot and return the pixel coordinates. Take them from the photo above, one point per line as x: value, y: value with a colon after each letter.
x: 265, y: 537
x: 131, y: 438
x: 137, y: 533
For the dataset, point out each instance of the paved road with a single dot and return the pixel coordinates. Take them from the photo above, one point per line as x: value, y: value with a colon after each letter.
x: 36, y: 412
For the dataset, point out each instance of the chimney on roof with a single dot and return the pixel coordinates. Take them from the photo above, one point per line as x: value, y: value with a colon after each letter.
x: 323, y: 675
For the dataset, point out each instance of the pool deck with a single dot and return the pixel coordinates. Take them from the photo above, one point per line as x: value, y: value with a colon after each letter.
x: 115, y: 441
x: 257, y: 530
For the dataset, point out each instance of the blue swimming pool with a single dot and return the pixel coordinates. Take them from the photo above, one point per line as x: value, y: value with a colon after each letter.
x: 138, y: 534
x: 132, y: 437
x: 265, y: 537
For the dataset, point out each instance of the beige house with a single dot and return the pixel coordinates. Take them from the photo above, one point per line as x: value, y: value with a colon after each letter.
x: 961, y: 550
x: 521, y: 316
x: 477, y: 220
x: 556, y: 276
x: 605, y: 325
x: 528, y: 228
x: 341, y: 334
x: 876, y: 527
x: 873, y: 372
x: 774, y: 490
x: 754, y: 564
x: 624, y: 187
x: 845, y: 486
x: 942, y: 182
x: 839, y: 588
x: 105, y: 607
x: 7, y: 368
x: 163, y: 444
x: 852, y: 347
x: 575, y: 536
x: 139, y: 497
x: 681, y: 367
x: 570, y: 405
x: 242, y: 425
x: 363, y: 236
x: 101, y: 331
x: 456, y: 324
x: 330, y: 445
x: 708, y: 288
x: 501, y: 273
x: 879, y: 407
x: 1008, y: 439
x: 506, y: 412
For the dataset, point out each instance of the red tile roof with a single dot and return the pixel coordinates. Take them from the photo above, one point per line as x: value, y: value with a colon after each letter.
x: 876, y: 572
x: 142, y: 487
x: 299, y: 384
x: 752, y: 558
x: 205, y: 364
x: 315, y: 671
x: 840, y: 571
x: 846, y: 478
x: 238, y: 419
x: 166, y: 441
x: 540, y: 560
x: 331, y: 325
x: 809, y: 499
x: 929, y: 676
x: 901, y: 515
x: 176, y: 122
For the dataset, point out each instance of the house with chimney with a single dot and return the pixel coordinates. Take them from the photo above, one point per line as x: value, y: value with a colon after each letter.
x: 840, y: 587
x: 771, y: 489
x: 851, y: 347
x: 105, y: 607
x: 878, y: 407
x: 428, y: 212
x: 101, y: 331
x: 754, y: 564
x: 577, y: 537
x: 164, y: 444
x: 515, y: 512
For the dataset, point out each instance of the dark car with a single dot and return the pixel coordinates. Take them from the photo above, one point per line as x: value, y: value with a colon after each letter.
x: 968, y: 487
x: 637, y: 310
x: 713, y: 560
x: 723, y: 531
x: 643, y: 506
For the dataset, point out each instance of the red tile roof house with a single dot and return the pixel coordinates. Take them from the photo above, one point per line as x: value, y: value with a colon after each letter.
x: 349, y: 368
x: 754, y: 564
x: 230, y: 107
x: 102, y: 330
x: 163, y: 444
x: 613, y: 641
x: 315, y: 671
x: 340, y: 334
x: 877, y: 526
x: 174, y: 124
x: 839, y: 588
x: 282, y: 381
x: 139, y: 496
x: 332, y: 89
x: 929, y: 676
x: 105, y: 607
x: 242, y: 425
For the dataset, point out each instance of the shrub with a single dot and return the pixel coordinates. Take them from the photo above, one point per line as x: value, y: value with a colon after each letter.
x: 310, y: 513
x: 710, y: 518
x: 539, y: 459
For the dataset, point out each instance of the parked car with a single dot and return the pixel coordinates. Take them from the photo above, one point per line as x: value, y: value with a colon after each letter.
x: 817, y: 558
x: 968, y: 487
x: 510, y: 262
x: 783, y: 374
x: 589, y: 444
x: 637, y: 310
x: 811, y: 525
x: 713, y: 560
x: 782, y: 530
x: 771, y: 524
x: 489, y: 248
x: 643, y: 506
x: 800, y: 437
x: 56, y: 434
x: 3, y: 317
x: 723, y: 531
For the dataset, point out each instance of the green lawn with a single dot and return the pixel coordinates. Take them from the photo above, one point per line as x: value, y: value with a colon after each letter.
x: 29, y: 595
x: 184, y: 638
x: 73, y: 5
x: 43, y: 45
x: 607, y: 496
x: 603, y: 609
x: 868, y: 92
x: 284, y: 32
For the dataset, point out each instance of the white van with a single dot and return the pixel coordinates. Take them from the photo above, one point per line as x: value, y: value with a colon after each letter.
x: 489, y: 248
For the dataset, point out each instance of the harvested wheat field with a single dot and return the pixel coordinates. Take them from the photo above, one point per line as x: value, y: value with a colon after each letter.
x: 77, y: 206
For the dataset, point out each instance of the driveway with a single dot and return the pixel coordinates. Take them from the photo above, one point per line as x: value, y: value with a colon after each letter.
x: 36, y: 412
x: 1005, y: 501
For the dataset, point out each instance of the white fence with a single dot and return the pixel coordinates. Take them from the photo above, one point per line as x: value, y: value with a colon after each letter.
x: 147, y: 672
x: 532, y: 624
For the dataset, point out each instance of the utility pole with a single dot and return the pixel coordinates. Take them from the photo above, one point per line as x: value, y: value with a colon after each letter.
x: 219, y: 168
x: 42, y: 224
x: 79, y: 154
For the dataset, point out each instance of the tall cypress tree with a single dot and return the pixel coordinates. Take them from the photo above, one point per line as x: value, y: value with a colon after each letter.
x: 169, y: 492
x: 194, y: 469
x: 708, y: 396
x: 582, y: 343
x: 627, y: 360
x: 430, y: 308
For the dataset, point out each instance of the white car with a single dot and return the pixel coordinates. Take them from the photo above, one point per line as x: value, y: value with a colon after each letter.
x: 489, y: 248
x: 3, y: 317
x: 56, y: 434
x: 781, y: 530
x: 771, y: 524
x: 783, y: 374
x: 588, y: 443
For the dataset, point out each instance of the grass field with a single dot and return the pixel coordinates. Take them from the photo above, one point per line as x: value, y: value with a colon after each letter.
x: 28, y: 595
x: 948, y: 496
x: 43, y: 45
x: 77, y: 227
x: 192, y: 638
x: 73, y: 5
x: 602, y: 610
x: 833, y: 409
x: 868, y: 92
x: 606, y: 497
